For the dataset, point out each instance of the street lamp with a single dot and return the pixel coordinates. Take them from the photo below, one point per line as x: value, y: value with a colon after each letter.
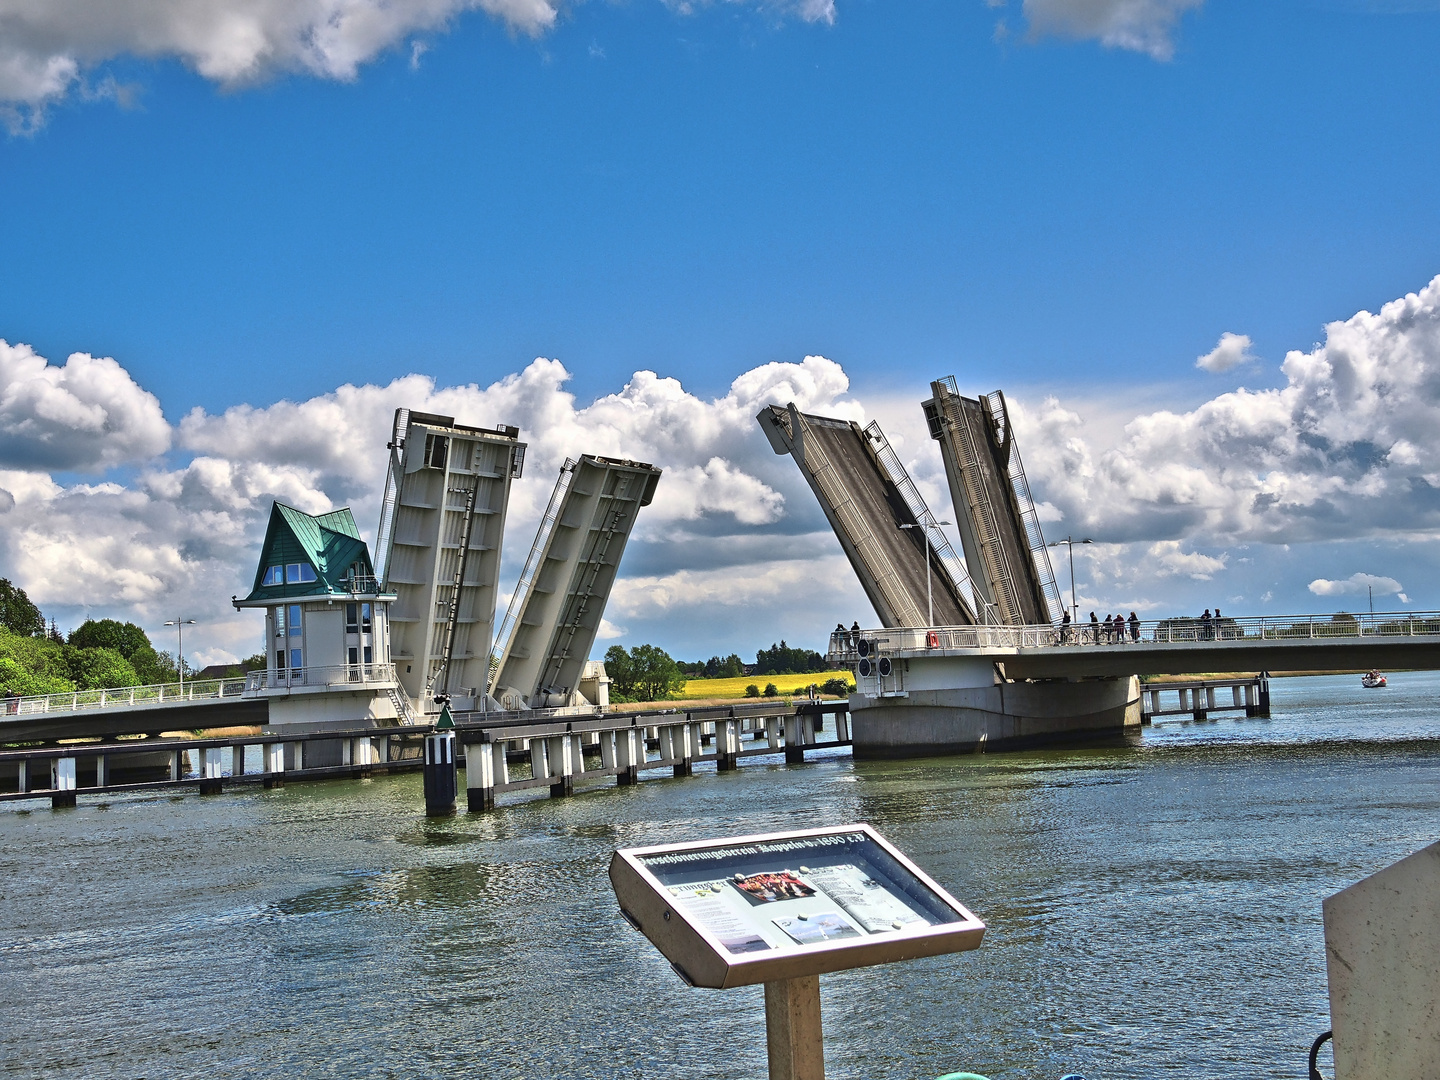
x: 1070, y: 543
x: 180, y: 625
x: 929, y: 596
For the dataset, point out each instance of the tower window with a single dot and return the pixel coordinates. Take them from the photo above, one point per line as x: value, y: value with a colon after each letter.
x: 352, y: 618
x: 275, y: 575
x: 299, y: 573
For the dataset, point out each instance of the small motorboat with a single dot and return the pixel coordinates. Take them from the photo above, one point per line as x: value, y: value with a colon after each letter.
x: 1371, y: 679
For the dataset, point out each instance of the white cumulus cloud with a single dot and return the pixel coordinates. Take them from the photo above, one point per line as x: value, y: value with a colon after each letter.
x: 1357, y: 584
x: 1345, y: 449
x: 1146, y: 26
x: 1232, y: 351
x: 47, y: 47
x: 84, y: 416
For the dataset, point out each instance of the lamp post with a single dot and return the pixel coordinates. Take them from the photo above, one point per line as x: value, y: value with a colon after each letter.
x: 929, y: 596
x: 1070, y: 543
x: 180, y: 625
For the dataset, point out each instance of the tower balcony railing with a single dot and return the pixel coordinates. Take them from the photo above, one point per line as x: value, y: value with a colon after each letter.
x: 330, y: 676
x: 850, y: 646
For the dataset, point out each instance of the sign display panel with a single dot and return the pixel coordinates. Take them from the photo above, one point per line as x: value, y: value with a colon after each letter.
x: 749, y: 909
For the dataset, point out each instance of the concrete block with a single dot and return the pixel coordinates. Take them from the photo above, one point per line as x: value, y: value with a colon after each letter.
x: 1382, y: 953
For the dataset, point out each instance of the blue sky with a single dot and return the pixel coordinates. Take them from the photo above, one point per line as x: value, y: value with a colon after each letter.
x: 1034, y: 198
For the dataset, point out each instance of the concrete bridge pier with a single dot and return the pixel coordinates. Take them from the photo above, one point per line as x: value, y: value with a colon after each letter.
x: 62, y: 782
x: 272, y: 764
x: 727, y: 745
x: 211, y: 778
x: 629, y: 755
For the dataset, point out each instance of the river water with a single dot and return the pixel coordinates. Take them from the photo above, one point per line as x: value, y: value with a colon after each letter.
x: 1153, y: 910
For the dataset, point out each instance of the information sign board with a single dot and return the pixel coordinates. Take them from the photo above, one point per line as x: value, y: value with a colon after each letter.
x: 753, y: 909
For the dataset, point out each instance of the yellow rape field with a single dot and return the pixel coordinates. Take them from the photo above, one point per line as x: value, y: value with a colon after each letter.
x: 788, y: 685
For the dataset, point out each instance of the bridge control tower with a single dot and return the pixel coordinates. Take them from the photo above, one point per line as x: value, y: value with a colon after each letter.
x: 544, y: 643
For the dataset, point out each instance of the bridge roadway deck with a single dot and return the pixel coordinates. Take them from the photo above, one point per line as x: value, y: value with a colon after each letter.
x: 1298, y: 643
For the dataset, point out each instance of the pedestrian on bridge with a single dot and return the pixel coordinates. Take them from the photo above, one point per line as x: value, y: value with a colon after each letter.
x: 1119, y: 629
x: 1094, y: 629
x: 1065, y: 629
x: 1134, y: 627
x: 1207, y: 626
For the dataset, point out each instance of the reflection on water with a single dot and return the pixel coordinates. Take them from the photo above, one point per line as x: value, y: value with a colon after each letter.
x: 1154, y: 909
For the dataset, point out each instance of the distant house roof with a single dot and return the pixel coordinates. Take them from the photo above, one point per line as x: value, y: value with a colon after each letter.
x: 325, y: 547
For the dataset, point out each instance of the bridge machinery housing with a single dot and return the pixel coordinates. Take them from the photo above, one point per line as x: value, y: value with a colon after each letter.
x: 915, y: 697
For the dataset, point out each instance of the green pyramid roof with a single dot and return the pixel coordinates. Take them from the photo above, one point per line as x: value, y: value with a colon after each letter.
x: 329, y: 544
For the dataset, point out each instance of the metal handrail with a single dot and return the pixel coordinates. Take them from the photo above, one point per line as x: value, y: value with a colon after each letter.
x: 320, y: 675
x: 123, y: 697
x: 1179, y: 630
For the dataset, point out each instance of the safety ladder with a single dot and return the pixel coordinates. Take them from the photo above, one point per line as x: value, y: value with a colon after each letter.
x: 1025, y: 503
x: 528, y: 575
x: 982, y: 511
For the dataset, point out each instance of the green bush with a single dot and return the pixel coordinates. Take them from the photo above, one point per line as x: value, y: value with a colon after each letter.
x: 644, y: 673
x: 752, y: 690
x: 771, y: 690
x: 838, y: 686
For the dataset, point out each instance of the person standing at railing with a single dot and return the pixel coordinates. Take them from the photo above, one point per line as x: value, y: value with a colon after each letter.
x: 1134, y: 627
x: 1094, y: 629
x: 1065, y: 629
x: 1219, y: 630
x: 1207, y: 626
x: 855, y: 635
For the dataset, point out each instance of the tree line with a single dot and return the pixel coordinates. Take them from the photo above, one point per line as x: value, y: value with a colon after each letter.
x: 779, y: 659
x: 99, y: 654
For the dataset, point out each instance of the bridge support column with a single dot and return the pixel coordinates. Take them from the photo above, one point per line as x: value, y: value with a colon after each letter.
x: 62, y: 781
x: 681, y: 739
x: 177, y: 765
x: 629, y: 755
x: 440, y: 774
x: 272, y: 764
x: 23, y: 776
x: 1264, y: 695
x: 237, y: 760
x: 842, y: 726
x: 480, y: 776
x: 727, y: 745
x: 772, y: 732
x: 294, y: 756
x: 210, y: 771
x: 561, y: 752
x: 102, y: 771
x: 794, y: 741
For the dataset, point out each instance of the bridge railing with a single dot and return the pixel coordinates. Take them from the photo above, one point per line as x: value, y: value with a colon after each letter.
x: 328, y: 675
x: 120, y: 697
x: 851, y: 646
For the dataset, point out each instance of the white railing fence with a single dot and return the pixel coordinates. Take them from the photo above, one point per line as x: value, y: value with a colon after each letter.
x: 850, y: 646
x: 159, y: 694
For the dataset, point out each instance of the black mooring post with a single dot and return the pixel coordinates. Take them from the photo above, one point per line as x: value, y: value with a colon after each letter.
x: 1265, y: 694
x: 440, y: 779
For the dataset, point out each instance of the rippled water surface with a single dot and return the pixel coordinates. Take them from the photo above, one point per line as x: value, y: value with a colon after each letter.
x: 1154, y: 910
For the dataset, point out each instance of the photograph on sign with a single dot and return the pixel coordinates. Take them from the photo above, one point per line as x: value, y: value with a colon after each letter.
x: 794, y: 893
